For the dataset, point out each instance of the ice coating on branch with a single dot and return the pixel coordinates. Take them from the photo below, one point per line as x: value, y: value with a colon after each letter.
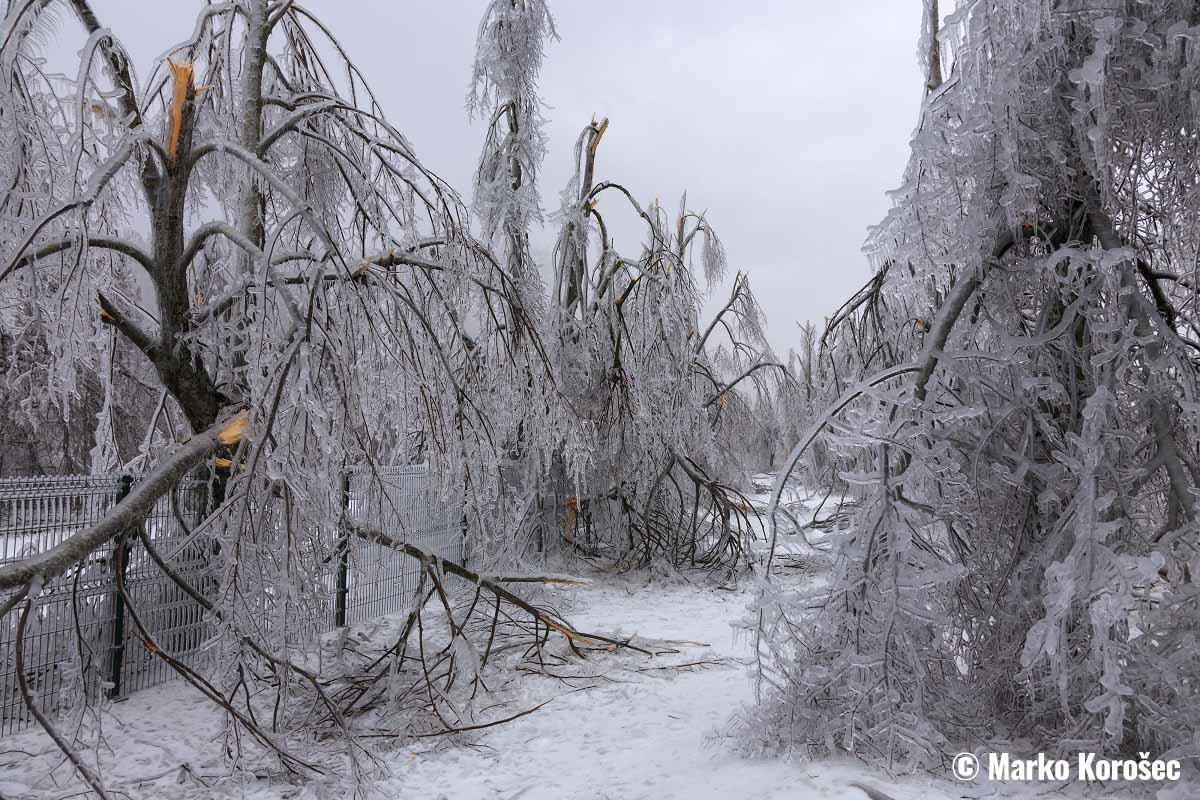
x: 509, y: 52
x: 665, y: 392
x: 1011, y: 394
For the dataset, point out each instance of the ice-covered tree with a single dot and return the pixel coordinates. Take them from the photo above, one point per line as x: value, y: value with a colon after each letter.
x: 317, y: 300
x: 296, y: 250
x: 1017, y: 410
x: 630, y: 409
x: 657, y: 385
x: 508, y: 60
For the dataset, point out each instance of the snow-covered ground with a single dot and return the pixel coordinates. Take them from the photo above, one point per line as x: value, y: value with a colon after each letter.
x: 647, y: 731
x: 645, y: 728
x: 646, y: 736
x: 824, y: 515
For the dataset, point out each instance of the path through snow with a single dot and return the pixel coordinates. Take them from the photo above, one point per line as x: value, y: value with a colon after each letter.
x: 651, y: 738
x: 641, y: 735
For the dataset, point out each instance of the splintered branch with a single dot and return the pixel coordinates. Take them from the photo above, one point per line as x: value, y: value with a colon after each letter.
x: 596, y: 133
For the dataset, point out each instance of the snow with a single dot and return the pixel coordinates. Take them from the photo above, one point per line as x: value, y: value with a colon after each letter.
x: 642, y: 732
x: 647, y: 736
x: 806, y: 507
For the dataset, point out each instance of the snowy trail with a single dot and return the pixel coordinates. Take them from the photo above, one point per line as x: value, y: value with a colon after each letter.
x: 646, y: 734
x: 650, y: 737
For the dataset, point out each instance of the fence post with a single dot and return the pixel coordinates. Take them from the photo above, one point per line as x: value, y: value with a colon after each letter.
x: 120, y: 561
x: 343, y: 570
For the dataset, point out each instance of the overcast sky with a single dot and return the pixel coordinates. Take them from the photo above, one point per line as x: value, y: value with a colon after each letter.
x: 786, y: 120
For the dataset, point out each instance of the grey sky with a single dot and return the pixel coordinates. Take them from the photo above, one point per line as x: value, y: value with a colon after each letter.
x: 786, y: 120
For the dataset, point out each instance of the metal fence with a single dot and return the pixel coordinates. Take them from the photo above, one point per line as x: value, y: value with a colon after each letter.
x: 79, y: 641
x: 374, y: 580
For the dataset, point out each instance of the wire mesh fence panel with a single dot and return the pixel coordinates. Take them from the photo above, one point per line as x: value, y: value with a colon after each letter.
x: 68, y: 639
x: 404, y: 503
x: 175, y: 622
x: 82, y: 641
x: 293, y: 619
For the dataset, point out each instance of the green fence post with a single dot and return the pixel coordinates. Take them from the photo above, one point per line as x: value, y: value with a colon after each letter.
x: 120, y: 561
x: 343, y: 572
